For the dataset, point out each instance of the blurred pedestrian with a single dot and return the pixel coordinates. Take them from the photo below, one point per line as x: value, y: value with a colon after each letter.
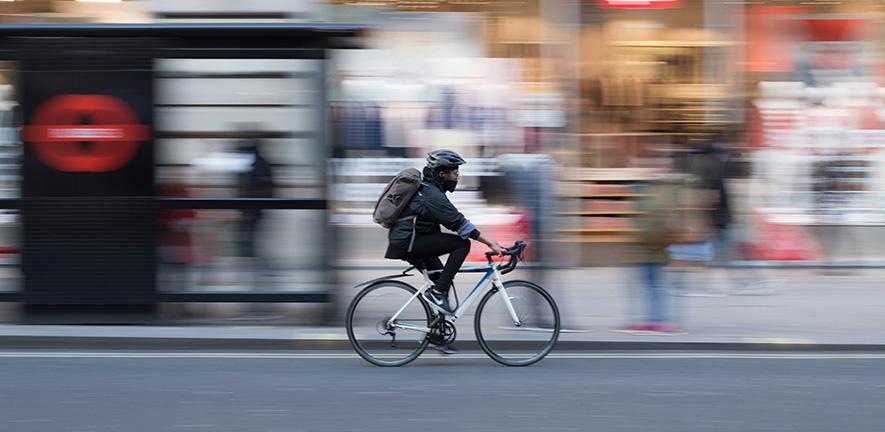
x: 705, y: 164
x: 255, y: 182
x: 659, y: 225
x: 710, y: 165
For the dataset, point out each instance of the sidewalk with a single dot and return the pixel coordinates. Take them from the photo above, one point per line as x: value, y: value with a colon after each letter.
x: 808, y: 310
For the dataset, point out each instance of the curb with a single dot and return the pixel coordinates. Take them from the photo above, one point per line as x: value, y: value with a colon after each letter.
x: 788, y: 265
x: 160, y: 343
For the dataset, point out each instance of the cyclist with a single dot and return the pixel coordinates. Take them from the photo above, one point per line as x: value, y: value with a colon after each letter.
x: 417, y: 237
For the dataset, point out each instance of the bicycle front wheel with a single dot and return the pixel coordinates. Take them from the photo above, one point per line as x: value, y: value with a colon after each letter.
x: 376, y: 335
x: 524, y: 343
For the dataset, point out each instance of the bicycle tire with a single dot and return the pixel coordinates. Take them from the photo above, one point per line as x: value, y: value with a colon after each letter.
x: 351, y: 334
x: 496, y: 356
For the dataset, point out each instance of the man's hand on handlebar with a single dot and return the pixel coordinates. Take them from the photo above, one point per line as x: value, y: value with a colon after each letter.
x: 515, y: 254
x: 493, y: 245
x: 496, y: 248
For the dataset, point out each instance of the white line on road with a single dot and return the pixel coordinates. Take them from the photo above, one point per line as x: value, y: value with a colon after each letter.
x: 467, y: 356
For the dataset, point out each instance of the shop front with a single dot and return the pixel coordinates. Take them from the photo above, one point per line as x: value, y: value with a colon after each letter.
x: 481, y: 79
x: 653, y: 78
x: 815, y: 117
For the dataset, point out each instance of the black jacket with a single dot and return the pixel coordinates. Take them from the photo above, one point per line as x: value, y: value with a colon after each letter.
x: 432, y: 208
x: 710, y: 167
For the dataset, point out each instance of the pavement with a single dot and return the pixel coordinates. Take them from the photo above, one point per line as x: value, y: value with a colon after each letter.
x: 271, y: 392
x: 786, y: 310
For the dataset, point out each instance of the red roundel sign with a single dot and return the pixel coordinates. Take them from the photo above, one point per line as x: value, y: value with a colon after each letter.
x: 85, y: 133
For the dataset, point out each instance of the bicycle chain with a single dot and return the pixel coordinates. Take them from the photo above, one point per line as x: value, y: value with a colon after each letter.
x: 443, y: 333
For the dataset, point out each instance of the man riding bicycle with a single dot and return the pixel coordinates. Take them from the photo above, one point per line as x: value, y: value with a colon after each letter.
x: 417, y: 237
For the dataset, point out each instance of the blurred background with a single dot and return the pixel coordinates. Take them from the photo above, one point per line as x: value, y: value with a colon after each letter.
x: 568, y: 112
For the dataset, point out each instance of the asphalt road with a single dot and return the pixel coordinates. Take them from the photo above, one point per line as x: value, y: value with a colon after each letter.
x: 266, y: 391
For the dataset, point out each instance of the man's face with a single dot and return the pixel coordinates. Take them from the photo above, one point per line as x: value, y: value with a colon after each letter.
x: 452, y: 175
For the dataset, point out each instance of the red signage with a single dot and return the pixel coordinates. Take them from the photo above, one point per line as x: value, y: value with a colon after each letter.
x: 771, y: 37
x: 85, y: 133
x: 640, y: 4
x: 838, y: 29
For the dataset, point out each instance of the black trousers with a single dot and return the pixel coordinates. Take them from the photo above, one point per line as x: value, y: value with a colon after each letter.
x: 426, y: 252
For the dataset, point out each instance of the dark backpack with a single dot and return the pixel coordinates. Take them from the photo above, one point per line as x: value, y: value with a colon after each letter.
x: 396, y: 197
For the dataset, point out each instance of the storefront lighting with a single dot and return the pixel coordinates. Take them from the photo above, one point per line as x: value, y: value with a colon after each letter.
x: 417, y: 4
x: 642, y: 25
x: 640, y: 4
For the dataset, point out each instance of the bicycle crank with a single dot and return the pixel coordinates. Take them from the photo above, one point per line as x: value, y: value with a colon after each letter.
x: 443, y: 333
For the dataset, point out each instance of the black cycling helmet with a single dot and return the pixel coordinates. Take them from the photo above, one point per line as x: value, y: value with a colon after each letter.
x: 444, y: 160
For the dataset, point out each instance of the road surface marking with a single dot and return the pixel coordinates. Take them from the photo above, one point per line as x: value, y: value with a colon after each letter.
x: 465, y: 356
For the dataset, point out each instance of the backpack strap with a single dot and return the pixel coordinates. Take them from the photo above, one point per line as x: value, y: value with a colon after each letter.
x: 414, y: 227
x: 414, y: 218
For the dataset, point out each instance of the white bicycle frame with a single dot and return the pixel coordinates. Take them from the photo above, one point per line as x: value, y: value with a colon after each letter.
x: 492, y: 276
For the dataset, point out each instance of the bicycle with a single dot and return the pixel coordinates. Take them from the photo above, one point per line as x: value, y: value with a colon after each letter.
x: 390, y: 324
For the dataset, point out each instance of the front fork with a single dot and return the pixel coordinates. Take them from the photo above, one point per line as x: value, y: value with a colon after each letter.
x: 507, y: 302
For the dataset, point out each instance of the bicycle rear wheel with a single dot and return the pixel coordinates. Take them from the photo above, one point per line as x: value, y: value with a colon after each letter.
x: 369, y: 332
x: 502, y: 339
